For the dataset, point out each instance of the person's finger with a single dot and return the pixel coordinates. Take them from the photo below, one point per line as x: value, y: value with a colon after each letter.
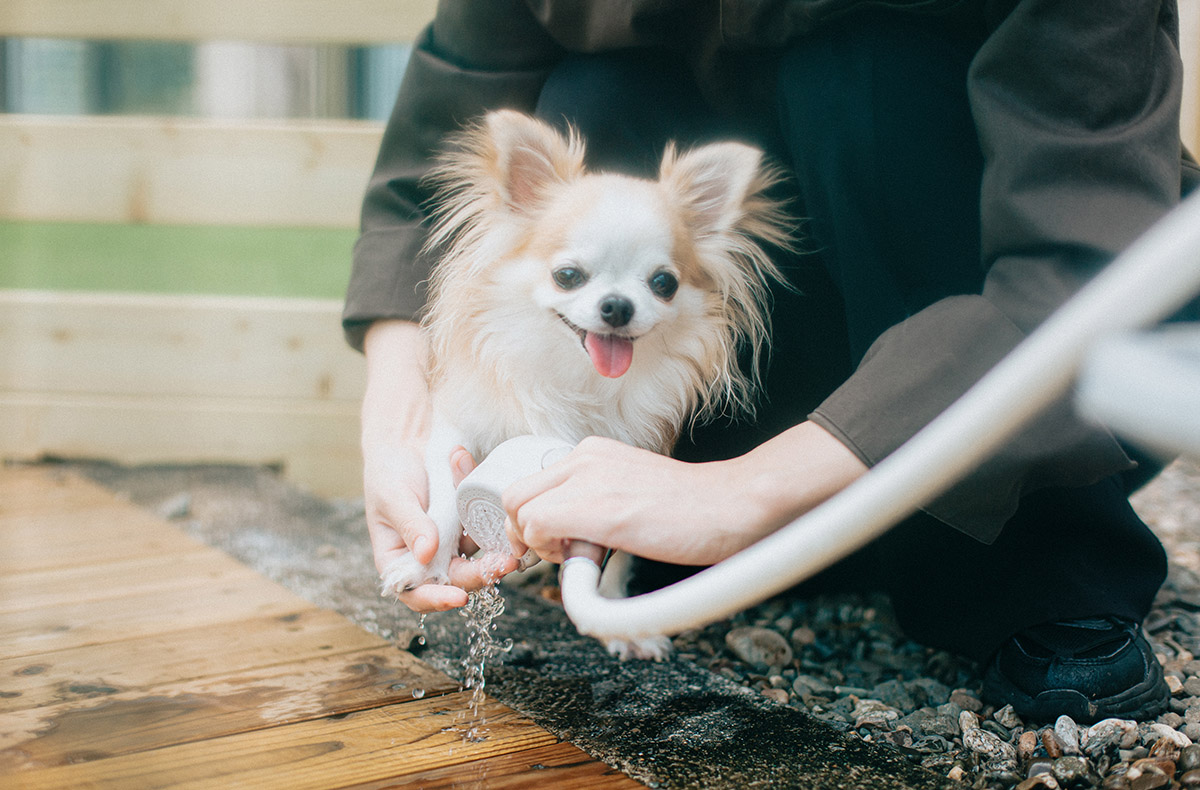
x: 413, y: 531
x: 462, y: 463
x: 525, y: 489
x: 519, y: 495
x: 475, y: 574
x: 434, y: 598
x: 518, y: 546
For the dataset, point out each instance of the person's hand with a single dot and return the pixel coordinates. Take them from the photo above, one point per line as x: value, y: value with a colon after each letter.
x: 395, y: 418
x: 621, y: 497
x: 398, y: 524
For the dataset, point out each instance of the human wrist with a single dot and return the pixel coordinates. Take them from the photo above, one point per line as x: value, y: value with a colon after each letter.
x: 396, y: 404
x: 795, y: 472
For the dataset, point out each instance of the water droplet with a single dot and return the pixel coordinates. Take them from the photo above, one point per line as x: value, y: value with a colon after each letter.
x: 418, y: 693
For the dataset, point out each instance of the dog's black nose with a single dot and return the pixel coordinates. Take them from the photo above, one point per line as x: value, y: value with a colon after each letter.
x: 616, y: 311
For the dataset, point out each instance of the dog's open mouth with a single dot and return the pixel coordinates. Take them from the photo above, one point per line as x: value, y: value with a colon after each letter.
x: 611, y: 355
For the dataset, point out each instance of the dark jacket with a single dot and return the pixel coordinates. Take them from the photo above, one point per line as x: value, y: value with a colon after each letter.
x: 1077, y: 110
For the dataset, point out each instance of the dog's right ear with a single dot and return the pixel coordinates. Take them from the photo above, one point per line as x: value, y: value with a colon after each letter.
x: 529, y: 156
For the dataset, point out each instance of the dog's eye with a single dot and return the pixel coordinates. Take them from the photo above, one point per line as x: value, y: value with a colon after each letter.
x: 664, y: 285
x: 568, y: 277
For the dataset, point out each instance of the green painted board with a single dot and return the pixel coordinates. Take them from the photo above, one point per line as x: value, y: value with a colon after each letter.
x: 308, y: 263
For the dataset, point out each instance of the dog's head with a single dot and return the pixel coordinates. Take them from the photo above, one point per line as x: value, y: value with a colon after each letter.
x: 626, y: 272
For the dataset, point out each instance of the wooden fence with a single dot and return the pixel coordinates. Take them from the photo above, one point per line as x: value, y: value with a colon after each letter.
x: 140, y: 377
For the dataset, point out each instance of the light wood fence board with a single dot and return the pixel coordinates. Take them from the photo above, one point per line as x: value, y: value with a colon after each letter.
x: 172, y: 170
x: 281, y: 21
x: 185, y: 346
x: 160, y: 379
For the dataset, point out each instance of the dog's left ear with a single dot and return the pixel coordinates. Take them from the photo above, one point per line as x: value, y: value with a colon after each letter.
x: 530, y: 155
x: 714, y: 181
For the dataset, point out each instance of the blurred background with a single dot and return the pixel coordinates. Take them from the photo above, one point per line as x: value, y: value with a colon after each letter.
x: 179, y: 192
x: 179, y: 189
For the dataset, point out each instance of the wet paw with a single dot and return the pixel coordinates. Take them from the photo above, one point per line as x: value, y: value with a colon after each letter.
x: 405, y: 574
x: 650, y: 648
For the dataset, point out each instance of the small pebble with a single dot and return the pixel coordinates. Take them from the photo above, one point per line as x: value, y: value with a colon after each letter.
x: 777, y: 695
x: 965, y: 700
x: 1107, y: 735
x: 1190, y: 780
x: 1052, y: 744
x: 1027, y: 744
x: 1070, y: 770
x: 1172, y: 720
x: 1007, y: 717
x: 1068, y: 734
x: 802, y: 637
x: 1189, y: 758
x: 957, y: 774
x: 1046, y: 781
x: 994, y: 752
x: 967, y: 721
x: 1174, y: 685
x: 1173, y: 736
x: 1148, y: 780
x: 759, y: 647
x: 1191, y: 687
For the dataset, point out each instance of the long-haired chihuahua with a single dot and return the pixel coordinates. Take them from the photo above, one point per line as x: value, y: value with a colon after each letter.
x: 569, y: 303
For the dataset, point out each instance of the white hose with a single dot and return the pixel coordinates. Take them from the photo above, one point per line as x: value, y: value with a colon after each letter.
x: 1152, y: 279
x: 1146, y: 385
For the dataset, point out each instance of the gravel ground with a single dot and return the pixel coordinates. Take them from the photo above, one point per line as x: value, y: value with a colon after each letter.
x: 843, y: 659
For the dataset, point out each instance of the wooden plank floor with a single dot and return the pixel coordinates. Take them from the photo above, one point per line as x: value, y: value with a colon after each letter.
x: 132, y: 656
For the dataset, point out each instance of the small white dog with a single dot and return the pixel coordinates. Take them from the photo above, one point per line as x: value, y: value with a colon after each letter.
x: 570, y: 304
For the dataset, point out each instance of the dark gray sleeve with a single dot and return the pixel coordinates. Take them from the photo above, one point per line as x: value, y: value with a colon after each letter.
x: 476, y: 56
x: 1077, y: 110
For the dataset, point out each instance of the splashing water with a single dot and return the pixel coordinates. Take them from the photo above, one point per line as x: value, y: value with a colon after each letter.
x: 482, y: 609
x: 484, y: 523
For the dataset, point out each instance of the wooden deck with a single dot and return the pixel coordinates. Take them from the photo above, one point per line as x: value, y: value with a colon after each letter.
x: 132, y: 656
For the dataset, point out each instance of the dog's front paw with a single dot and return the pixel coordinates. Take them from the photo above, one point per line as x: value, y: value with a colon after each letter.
x: 405, y: 574
x: 652, y: 648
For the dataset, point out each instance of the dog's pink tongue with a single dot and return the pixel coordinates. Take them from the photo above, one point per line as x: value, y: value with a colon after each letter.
x: 611, y: 355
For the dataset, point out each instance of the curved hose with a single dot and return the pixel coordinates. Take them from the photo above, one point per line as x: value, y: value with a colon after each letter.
x: 1150, y: 280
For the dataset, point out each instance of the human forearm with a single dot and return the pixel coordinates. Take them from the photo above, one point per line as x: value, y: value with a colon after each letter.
x: 395, y: 408
x: 794, y: 472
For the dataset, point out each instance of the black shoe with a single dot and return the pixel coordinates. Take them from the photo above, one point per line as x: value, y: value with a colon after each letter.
x: 1088, y: 669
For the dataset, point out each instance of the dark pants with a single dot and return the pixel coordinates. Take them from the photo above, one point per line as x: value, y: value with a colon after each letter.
x: 871, y: 116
